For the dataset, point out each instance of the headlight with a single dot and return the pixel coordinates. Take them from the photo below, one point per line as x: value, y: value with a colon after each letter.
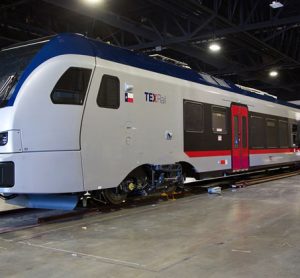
x: 3, y: 138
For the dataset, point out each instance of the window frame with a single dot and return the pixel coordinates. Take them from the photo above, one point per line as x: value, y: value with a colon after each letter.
x: 117, y: 106
x: 280, y: 132
x: 185, y: 103
x: 276, y: 132
x: 84, y: 92
x: 250, y: 128
x: 225, y: 130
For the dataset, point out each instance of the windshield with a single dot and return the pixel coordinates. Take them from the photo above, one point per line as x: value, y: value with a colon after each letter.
x: 13, y: 62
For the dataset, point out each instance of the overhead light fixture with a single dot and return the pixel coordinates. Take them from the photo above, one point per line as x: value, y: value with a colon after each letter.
x: 273, y: 73
x: 92, y: 2
x: 214, y: 47
x: 276, y: 5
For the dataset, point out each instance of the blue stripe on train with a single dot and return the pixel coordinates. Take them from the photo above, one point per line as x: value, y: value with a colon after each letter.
x: 59, y: 45
x: 78, y: 44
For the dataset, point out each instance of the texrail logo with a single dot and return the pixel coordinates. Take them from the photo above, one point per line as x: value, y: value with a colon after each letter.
x: 156, y: 98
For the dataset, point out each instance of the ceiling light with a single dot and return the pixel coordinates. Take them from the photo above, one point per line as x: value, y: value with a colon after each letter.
x: 214, y: 47
x: 93, y: 2
x: 273, y: 73
x: 276, y: 5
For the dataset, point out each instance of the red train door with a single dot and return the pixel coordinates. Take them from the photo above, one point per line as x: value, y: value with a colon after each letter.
x: 240, y: 148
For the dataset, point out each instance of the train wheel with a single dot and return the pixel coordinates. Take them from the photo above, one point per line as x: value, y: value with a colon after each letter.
x: 114, y: 196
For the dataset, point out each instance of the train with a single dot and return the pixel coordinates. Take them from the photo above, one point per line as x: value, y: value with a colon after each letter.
x: 84, y: 119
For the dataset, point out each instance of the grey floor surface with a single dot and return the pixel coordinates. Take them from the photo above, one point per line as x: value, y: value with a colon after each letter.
x: 252, y: 232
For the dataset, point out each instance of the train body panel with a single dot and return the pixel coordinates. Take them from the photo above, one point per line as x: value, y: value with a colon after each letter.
x: 45, y: 126
x: 140, y: 128
x: 289, y: 156
x: 67, y: 131
x: 44, y: 172
x: 134, y: 134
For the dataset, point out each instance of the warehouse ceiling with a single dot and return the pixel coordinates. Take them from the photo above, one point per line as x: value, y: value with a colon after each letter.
x: 255, y: 38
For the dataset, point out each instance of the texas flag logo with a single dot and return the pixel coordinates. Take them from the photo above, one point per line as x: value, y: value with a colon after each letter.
x: 129, y: 97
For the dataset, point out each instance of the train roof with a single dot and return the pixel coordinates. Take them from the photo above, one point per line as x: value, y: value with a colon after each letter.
x: 69, y: 43
x: 139, y: 60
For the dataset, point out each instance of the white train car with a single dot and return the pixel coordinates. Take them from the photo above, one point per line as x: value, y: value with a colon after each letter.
x: 81, y: 116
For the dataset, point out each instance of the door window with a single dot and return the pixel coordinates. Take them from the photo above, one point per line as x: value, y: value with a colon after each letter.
x: 244, y: 131
x: 236, y: 132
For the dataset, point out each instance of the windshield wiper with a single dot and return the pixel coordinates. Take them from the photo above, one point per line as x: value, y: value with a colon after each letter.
x: 7, y: 86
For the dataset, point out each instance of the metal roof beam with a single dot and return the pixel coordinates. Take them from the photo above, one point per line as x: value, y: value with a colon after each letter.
x: 260, y: 25
x: 140, y: 30
x: 106, y: 17
x: 221, y: 32
x: 4, y: 7
x: 148, y: 33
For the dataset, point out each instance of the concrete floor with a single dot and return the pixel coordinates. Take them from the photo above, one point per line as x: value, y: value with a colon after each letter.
x: 253, y: 232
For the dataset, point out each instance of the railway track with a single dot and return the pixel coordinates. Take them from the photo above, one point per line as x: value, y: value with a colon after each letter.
x: 256, y: 180
x: 25, y: 218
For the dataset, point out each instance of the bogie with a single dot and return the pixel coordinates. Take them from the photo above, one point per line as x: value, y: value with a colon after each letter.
x: 146, y: 180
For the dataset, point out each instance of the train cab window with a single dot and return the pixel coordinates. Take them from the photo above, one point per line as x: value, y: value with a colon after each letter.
x: 109, y: 92
x: 71, y: 87
x: 271, y: 132
x: 283, y: 134
x: 219, y: 123
x: 257, y: 131
x: 193, y: 116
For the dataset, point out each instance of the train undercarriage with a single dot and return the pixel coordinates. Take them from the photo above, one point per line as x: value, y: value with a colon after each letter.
x: 142, y: 181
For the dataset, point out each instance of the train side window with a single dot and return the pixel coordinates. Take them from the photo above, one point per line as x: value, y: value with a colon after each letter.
x: 193, y: 116
x: 271, y: 133
x: 257, y: 131
x: 219, y: 121
x: 283, y: 134
x: 109, y: 92
x: 71, y: 87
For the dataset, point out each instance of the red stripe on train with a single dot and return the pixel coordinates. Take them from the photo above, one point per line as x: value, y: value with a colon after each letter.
x: 228, y: 152
x: 267, y: 151
x: 208, y: 153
